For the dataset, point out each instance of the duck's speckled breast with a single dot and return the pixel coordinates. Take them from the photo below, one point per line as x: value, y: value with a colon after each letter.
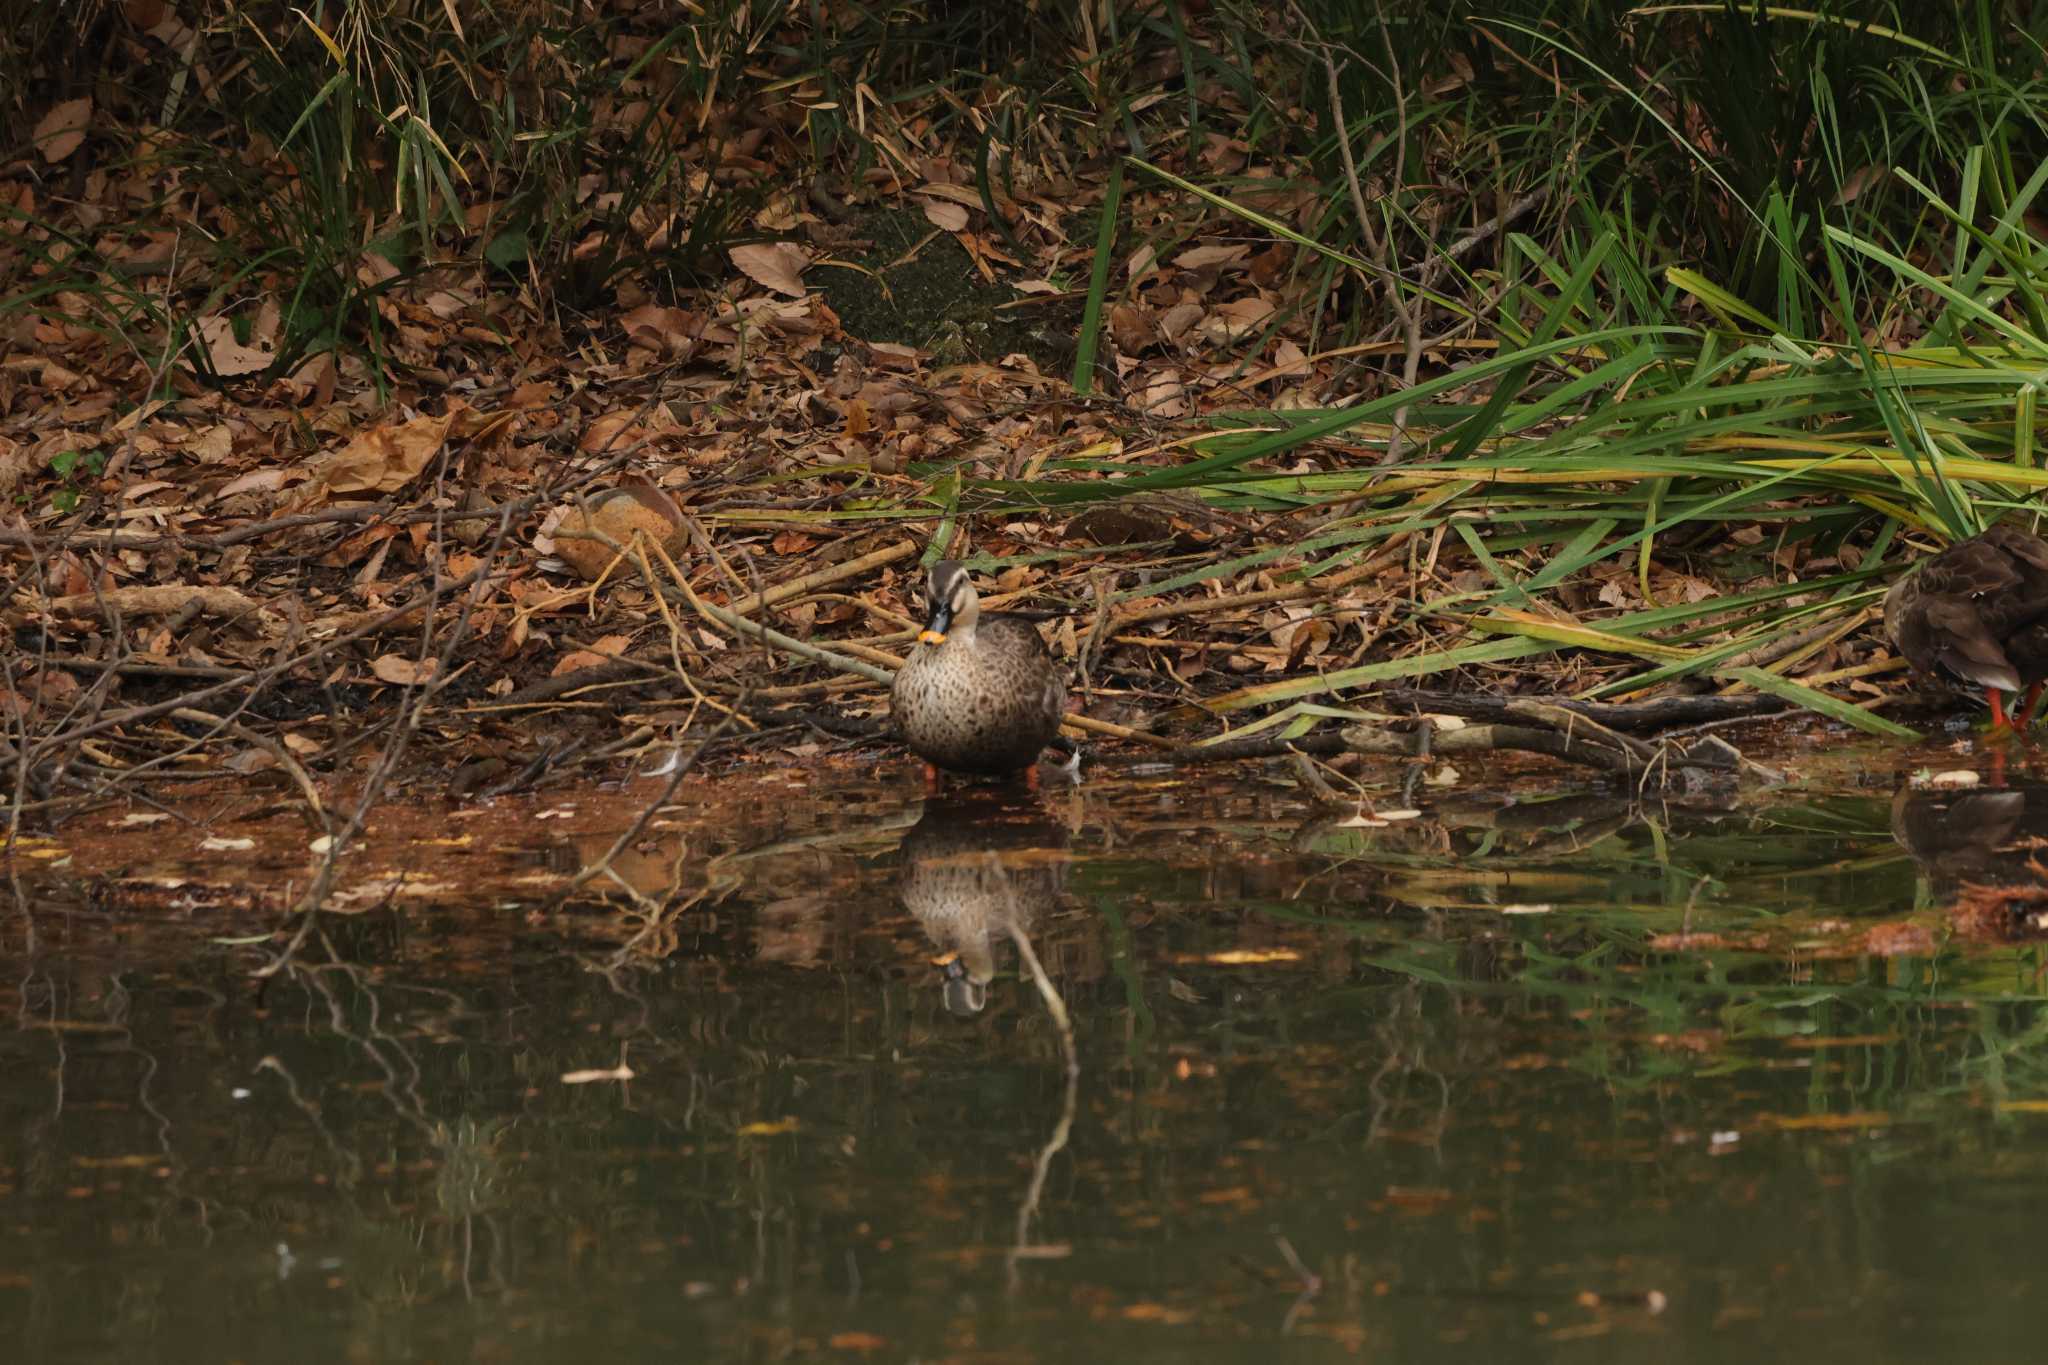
x: 988, y: 707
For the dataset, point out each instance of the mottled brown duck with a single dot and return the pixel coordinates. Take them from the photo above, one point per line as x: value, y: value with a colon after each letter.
x: 979, y: 693
x: 1978, y: 612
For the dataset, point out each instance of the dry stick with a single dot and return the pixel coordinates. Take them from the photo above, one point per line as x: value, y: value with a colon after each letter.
x: 1091, y: 643
x: 675, y: 649
x: 1440, y: 264
x: 1409, y: 317
x: 682, y: 766
x: 1363, y: 739
x: 261, y: 678
x: 731, y: 621
x: 1558, y: 718
x: 157, y: 600
x: 411, y: 716
x: 797, y: 587
x: 1321, y: 790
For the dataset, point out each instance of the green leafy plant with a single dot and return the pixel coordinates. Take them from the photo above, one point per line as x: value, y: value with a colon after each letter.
x: 74, y: 468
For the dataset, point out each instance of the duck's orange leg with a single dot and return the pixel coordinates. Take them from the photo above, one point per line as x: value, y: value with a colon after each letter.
x: 2026, y: 716
x: 934, y: 780
x: 1997, y: 700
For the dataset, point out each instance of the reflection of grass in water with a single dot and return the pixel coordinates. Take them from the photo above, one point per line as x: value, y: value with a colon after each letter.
x: 1916, y: 1031
x: 469, y: 1178
x: 1938, y: 1033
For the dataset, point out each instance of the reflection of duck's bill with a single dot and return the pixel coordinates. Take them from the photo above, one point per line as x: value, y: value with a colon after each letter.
x: 965, y: 997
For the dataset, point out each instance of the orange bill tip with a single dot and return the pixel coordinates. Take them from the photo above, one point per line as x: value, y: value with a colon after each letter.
x: 931, y: 637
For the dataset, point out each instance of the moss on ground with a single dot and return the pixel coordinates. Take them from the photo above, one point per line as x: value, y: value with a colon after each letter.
x: 936, y: 300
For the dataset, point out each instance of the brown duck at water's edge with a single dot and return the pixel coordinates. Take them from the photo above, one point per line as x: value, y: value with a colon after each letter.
x: 1978, y: 611
x: 979, y: 694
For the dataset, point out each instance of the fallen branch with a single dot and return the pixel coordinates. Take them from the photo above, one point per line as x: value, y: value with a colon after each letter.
x: 167, y: 600
x: 1632, y: 717
x: 1562, y: 735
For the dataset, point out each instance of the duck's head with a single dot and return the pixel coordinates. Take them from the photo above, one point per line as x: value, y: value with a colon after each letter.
x: 953, y: 606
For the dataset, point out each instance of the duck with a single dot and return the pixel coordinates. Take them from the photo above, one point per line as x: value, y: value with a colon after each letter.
x: 1978, y: 612
x: 979, y: 694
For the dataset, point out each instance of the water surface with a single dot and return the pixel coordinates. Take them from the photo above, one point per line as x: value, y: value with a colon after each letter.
x: 1562, y: 1077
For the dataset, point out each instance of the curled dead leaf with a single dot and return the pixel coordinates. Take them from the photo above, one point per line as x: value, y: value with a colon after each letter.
x: 622, y: 516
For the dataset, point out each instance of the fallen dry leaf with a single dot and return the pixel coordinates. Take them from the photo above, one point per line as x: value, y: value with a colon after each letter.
x: 945, y: 217
x: 228, y: 356
x: 777, y: 265
x: 396, y: 668
x: 388, y: 456
x: 62, y: 130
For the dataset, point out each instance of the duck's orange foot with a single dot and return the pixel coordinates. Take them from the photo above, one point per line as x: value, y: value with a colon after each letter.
x: 934, y: 780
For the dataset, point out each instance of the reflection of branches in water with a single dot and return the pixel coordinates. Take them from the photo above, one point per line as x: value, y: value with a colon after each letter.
x: 1311, y: 1285
x: 1057, y: 1009
x: 352, y: 1165
x: 1028, y: 1209
x: 468, y: 1152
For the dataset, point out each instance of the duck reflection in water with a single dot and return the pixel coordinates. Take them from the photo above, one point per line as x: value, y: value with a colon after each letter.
x: 979, y: 870
x: 1980, y: 848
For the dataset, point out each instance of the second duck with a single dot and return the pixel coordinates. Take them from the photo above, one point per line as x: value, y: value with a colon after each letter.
x: 1978, y: 611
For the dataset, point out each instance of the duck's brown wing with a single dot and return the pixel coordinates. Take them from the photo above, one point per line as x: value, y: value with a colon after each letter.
x: 1012, y: 632
x: 1949, y: 632
x: 2025, y: 549
x: 1979, y: 567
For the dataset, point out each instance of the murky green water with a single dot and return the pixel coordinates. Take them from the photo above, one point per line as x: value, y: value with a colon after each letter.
x: 1570, y: 1080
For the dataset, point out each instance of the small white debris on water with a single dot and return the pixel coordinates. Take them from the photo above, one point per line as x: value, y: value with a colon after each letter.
x: 1952, y: 780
